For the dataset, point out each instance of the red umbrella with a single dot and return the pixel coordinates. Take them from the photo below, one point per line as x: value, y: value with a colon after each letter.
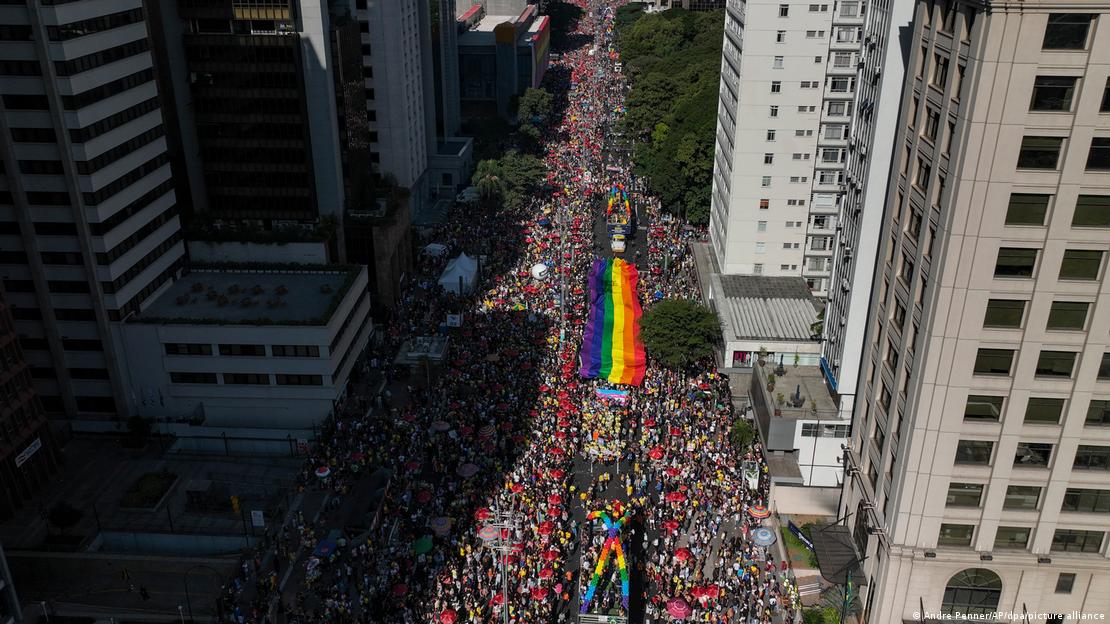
x: 423, y: 496
x: 550, y: 555
x: 448, y: 617
x: 496, y: 599
x: 670, y: 525
x: 682, y: 554
x: 563, y: 422
x: 675, y: 431
x: 540, y: 593
x: 561, y: 435
x: 679, y: 608
x: 554, y: 499
x: 649, y: 422
x: 555, y: 450
x: 545, y: 527
x: 412, y: 466
x: 553, y: 511
x: 675, y: 497
x: 517, y: 488
x: 547, y: 573
x: 482, y: 514
x: 672, y: 471
x: 400, y: 589
x: 555, y: 473
x: 656, y: 453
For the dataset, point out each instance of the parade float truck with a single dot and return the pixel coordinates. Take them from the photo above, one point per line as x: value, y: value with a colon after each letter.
x: 620, y: 219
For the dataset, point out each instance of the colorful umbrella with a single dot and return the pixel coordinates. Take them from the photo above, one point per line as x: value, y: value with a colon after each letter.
x: 547, y: 573
x: 763, y: 537
x: 550, y: 555
x: 440, y: 526
x: 656, y: 453
x: 545, y: 527
x: 675, y: 497
x: 679, y: 608
x: 671, y: 525
x: 323, y: 472
x: 555, y: 473
x: 554, y: 499
x: 540, y: 593
x: 467, y: 470
x: 487, y: 533
x: 555, y: 451
x: 440, y: 425
x: 683, y: 554
x: 759, y: 511
x: 482, y: 514
x: 422, y: 545
x: 448, y: 617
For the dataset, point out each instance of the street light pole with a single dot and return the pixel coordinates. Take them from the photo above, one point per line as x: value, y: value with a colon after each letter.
x: 506, y: 523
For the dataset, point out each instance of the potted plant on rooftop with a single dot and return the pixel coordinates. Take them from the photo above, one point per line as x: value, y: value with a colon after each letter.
x: 763, y: 356
x: 771, y: 382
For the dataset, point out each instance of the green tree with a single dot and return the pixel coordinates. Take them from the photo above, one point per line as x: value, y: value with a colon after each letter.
x: 741, y: 435
x: 489, y: 179
x: 64, y: 516
x: 678, y: 332
x: 524, y: 174
x: 534, y: 106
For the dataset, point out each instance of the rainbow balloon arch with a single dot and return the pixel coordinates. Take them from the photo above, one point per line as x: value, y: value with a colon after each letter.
x: 612, y: 543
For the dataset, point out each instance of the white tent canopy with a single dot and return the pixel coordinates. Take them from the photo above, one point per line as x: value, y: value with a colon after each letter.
x: 435, y: 249
x: 460, y: 275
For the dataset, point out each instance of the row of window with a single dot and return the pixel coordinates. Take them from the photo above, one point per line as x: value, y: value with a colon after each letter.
x: 253, y: 350
x: 247, y: 379
x: 1032, y: 455
x: 1028, y: 497
x: 1043, y: 152
x: 1039, y: 410
x: 1063, y: 540
x: 1050, y: 363
x: 1062, y: 315
x: 1091, y: 211
x: 1077, y: 264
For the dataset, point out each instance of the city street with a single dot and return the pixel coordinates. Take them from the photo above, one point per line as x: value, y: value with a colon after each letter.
x: 496, y: 464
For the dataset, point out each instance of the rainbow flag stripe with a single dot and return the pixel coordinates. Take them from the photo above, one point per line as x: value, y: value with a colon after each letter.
x: 611, y: 345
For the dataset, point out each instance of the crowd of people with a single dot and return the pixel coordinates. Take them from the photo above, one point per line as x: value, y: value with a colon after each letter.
x: 497, y: 460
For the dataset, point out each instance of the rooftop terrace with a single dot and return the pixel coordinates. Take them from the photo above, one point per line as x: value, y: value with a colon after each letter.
x: 255, y: 296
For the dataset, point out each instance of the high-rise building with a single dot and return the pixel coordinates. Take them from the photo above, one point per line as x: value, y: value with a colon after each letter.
x: 787, y: 94
x: 979, y: 460
x: 89, y: 226
x: 28, y: 455
x: 689, y: 5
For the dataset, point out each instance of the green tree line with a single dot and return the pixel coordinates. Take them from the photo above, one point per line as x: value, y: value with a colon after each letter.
x: 673, y: 62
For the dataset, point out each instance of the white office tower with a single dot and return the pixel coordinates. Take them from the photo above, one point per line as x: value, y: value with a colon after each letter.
x: 788, y: 81
x: 979, y: 463
x: 89, y: 227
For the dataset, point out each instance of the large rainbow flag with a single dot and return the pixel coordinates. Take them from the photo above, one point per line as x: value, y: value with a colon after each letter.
x: 611, y: 345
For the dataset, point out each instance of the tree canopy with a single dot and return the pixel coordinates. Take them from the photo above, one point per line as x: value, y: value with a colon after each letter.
x: 534, y: 106
x: 510, y: 179
x: 673, y: 61
x: 679, y: 332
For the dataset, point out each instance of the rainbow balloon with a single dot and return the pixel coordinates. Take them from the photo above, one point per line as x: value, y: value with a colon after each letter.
x: 613, y: 542
x: 611, y: 345
x: 618, y: 197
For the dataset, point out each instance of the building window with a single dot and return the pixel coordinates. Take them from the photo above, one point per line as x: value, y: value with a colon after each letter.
x: 1033, y: 454
x: 974, y: 591
x: 247, y: 379
x: 1027, y: 209
x: 768, y: 159
x: 761, y: 226
x: 764, y: 203
x: 932, y: 124
x: 1091, y: 211
x: 1055, y: 364
x: 774, y: 111
x: 982, y: 408
x: 1039, y: 152
x: 1098, y: 159
x: 940, y: 71
x: 924, y: 172
x: 1053, y: 93
x: 1086, y: 501
x: 1015, y: 262
x: 1067, y: 31
x: 1011, y: 538
x: 765, y: 181
x: 1080, y: 264
x: 776, y: 86
x: 1089, y: 457
x: 243, y: 350
x: 956, y: 535
x: 817, y: 430
x: 1007, y: 313
x: 1077, y: 540
x: 964, y: 495
x: 1065, y: 582
x: 770, y: 135
x: 994, y: 361
x: 778, y: 62
x: 784, y: 10
x: 780, y: 36
x: 1044, y: 411
x: 757, y: 269
x: 1104, y: 367
x: 974, y: 452
x: 1022, y: 497
x: 1098, y: 413
x: 188, y: 349
x: 299, y: 380
x: 1066, y: 315
x: 295, y: 350
x: 193, y: 378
